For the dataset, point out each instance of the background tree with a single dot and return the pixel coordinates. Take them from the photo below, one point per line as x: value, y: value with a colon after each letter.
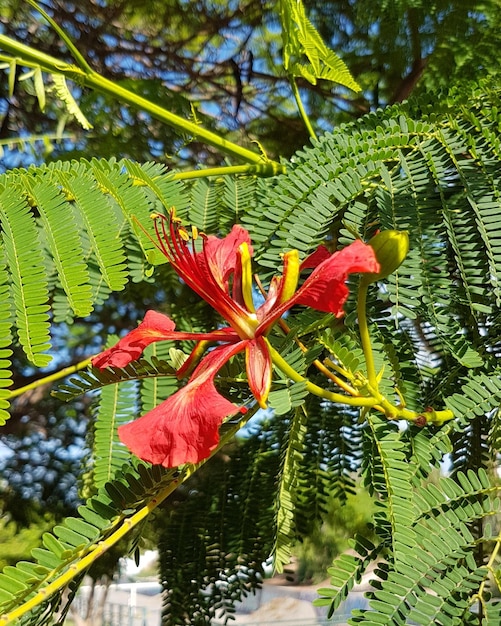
x: 228, y: 73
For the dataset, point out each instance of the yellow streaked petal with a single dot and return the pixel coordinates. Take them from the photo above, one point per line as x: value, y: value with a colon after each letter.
x: 290, y: 275
x: 245, y: 260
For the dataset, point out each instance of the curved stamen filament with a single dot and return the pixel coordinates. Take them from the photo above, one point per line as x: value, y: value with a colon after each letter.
x: 175, y: 245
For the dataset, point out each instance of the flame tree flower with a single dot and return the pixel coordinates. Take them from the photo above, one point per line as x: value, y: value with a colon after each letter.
x: 184, y: 428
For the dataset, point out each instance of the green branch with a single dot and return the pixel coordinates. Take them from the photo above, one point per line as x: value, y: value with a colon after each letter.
x: 281, y: 363
x: 66, y: 371
x: 266, y: 169
x: 82, y: 63
x: 302, y: 110
x: 93, y: 80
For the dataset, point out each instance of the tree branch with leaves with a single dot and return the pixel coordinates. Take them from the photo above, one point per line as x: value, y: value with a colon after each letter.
x: 366, y: 328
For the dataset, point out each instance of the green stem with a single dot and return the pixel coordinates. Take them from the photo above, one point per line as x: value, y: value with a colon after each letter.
x: 81, y: 62
x: 302, y: 111
x: 270, y: 168
x: 93, y: 80
x: 49, y: 379
x: 364, y: 334
x: 103, y: 85
x: 289, y: 371
x: 492, y: 569
x: 375, y: 400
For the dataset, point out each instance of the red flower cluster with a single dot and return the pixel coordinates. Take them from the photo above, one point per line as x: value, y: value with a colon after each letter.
x: 184, y: 428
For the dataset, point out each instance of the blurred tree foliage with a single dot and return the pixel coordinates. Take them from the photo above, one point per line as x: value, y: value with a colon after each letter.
x: 18, y: 541
x: 342, y: 521
x: 218, y: 62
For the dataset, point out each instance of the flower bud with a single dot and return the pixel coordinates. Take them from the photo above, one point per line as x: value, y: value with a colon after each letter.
x: 391, y: 248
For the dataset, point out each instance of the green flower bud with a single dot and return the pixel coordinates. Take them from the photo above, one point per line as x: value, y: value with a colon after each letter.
x: 391, y: 248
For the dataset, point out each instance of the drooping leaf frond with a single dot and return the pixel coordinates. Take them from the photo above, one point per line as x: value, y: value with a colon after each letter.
x: 5, y: 343
x: 63, y: 242
x: 68, y: 230
x: 301, y: 39
x: 65, y: 95
x: 432, y: 577
x: 210, y: 561
x: 118, y: 405
x: 204, y: 204
x: 347, y: 571
x: 29, y: 282
x: 288, y: 480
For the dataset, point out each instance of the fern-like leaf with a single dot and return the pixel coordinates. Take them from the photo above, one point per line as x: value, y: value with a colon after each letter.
x: 301, y: 38
x: 65, y: 95
x: 63, y: 241
x: 118, y: 405
x: 30, y: 286
x: 100, y: 222
x: 5, y: 342
x: 287, y: 490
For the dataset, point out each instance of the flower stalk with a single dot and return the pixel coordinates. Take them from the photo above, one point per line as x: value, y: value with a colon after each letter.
x: 365, y: 338
x: 290, y: 372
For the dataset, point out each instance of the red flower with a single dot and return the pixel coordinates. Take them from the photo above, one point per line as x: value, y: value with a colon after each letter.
x: 184, y: 428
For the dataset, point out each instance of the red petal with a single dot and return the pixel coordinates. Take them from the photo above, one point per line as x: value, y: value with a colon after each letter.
x: 258, y: 364
x: 154, y: 327
x: 208, y: 271
x: 317, y: 257
x: 184, y: 428
x: 221, y: 256
x: 325, y: 288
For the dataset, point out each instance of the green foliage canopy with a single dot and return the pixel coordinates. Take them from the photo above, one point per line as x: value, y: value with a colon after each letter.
x: 431, y: 167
